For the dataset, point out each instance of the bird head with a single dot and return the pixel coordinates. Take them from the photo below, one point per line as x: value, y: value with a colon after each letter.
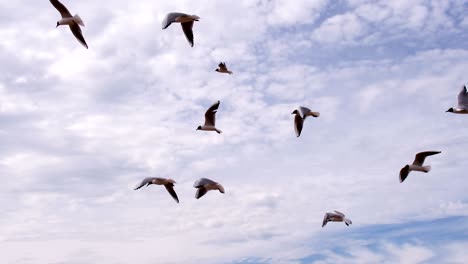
x: 217, y: 70
x: 199, y: 128
x: 450, y: 110
x: 58, y: 24
x: 195, y: 17
x: 295, y: 112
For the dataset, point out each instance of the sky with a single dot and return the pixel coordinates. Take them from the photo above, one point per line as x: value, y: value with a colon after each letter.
x: 80, y: 128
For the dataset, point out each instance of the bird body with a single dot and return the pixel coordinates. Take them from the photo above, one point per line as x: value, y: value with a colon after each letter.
x: 210, y: 119
x: 168, y: 184
x: 186, y: 22
x: 204, y: 185
x: 76, y: 19
x: 73, y: 22
x: 300, y: 116
x: 462, y: 107
x: 335, y: 217
x: 417, y: 164
x: 222, y: 68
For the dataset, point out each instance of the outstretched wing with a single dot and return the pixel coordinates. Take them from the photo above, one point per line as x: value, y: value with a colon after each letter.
x: 420, y: 157
x: 463, y: 99
x: 222, y: 66
x: 76, y: 30
x: 404, y: 173
x: 144, y: 182
x: 298, y: 124
x: 171, y: 18
x: 61, y: 8
x: 325, y: 219
x: 340, y: 213
x: 200, y: 192
x: 304, y: 111
x: 170, y: 189
x: 210, y: 114
x: 202, y: 182
x: 187, y: 28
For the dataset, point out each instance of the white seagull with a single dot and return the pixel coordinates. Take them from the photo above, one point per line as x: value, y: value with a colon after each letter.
x: 223, y: 68
x: 462, y: 107
x: 335, y: 217
x: 300, y: 115
x: 185, y: 20
x: 417, y: 164
x: 210, y: 119
x: 168, y: 183
x: 204, y: 185
x: 73, y: 22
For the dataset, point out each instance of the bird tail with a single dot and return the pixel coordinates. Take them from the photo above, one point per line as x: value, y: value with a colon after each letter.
x: 427, y: 168
x: 347, y: 221
x: 78, y: 20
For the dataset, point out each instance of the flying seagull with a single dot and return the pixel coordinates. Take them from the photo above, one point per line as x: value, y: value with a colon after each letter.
x: 417, y: 164
x: 168, y: 183
x: 462, y: 107
x: 73, y: 22
x: 210, y: 119
x: 204, y: 185
x: 335, y: 217
x: 300, y: 115
x: 185, y: 20
x: 222, y: 68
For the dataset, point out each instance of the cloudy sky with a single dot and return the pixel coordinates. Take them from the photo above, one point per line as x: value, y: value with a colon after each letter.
x: 80, y: 128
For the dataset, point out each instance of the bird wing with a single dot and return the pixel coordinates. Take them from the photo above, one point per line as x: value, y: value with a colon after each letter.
x: 404, y: 173
x: 144, y: 182
x: 325, y: 219
x: 200, y: 192
x: 304, y: 111
x: 210, y: 114
x: 348, y: 221
x: 187, y: 28
x: 420, y: 157
x: 463, y: 99
x: 222, y: 66
x: 170, y: 189
x: 202, y: 182
x: 298, y: 124
x: 61, y: 8
x: 170, y: 18
x: 76, y: 30
x: 340, y: 213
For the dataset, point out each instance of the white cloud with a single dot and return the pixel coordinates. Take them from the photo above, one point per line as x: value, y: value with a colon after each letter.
x: 340, y: 29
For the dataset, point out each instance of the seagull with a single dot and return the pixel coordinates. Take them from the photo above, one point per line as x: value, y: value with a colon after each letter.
x: 301, y: 115
x: 417, y: 164
x: 204, y: 185
x: 335, y: 217
x: 462, y: 107
x: 168, y: 183
x: 222, y: 68
x: 73, y: 22
x: 210, y: 119
x: 186, y: 22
